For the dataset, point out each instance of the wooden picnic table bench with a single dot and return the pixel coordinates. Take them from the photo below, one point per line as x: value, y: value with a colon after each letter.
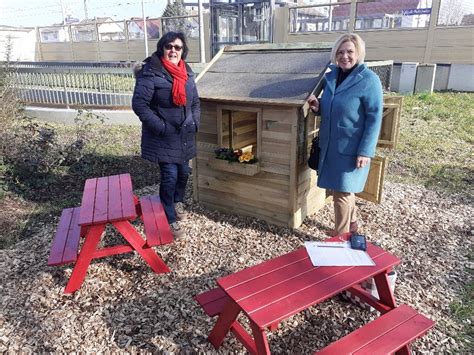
x: 106, y: 201
x: 279, y: 288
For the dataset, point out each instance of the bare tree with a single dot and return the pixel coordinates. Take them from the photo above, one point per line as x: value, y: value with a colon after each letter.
x: 451, y: 12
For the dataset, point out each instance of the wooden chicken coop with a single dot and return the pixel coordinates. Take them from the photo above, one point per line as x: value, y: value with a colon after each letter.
x: 253, y: 99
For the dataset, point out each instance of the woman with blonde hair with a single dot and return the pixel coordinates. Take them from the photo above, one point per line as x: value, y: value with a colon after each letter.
x: 351, y: 115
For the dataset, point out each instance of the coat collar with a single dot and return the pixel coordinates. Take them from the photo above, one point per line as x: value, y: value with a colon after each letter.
x: 350, y: 81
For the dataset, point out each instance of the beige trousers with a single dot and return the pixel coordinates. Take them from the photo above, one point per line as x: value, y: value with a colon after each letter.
x: 345, y: 211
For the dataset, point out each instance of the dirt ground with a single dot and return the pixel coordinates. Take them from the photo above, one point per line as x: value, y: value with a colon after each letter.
x: 124, y: 307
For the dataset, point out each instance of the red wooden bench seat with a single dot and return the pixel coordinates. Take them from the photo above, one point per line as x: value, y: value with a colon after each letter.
x: 212, y: 301
x: 157, y: 229
x: 384, y: 335
x: 66, y: 241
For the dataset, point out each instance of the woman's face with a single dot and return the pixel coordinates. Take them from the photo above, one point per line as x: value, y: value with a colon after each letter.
x: 347, y: 56
x: 173, y: 51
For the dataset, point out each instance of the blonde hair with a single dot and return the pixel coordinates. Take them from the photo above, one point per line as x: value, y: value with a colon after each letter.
x: 359, y: 44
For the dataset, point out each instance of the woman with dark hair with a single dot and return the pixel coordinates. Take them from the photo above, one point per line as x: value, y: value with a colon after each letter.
x: 166, y: 101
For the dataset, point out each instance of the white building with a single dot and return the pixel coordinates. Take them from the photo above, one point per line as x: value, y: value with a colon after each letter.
x: 17, y: 44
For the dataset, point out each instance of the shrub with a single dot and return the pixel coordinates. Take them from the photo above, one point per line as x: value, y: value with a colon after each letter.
x: 32, y: 150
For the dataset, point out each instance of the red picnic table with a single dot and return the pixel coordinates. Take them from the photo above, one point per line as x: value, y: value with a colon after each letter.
x: 282, y: 287
x: 106, y: 201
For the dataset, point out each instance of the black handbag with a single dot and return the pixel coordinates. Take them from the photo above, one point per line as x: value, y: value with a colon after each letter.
x: 313, y: 160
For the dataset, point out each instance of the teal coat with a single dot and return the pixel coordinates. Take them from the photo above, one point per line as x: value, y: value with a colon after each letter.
x: 351, y: 116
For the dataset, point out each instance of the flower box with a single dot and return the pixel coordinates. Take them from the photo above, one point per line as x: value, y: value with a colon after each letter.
x: 234, y: 167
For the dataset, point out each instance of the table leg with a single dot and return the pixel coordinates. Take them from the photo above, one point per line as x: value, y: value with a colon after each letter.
x: 260, y: 337
x: 406, y: 350
x: 384, y: 291
x: 84, y: 259
x: 136, y: 241
x: 221, y: 328
x: 273, y: 326
x: 138, y: 207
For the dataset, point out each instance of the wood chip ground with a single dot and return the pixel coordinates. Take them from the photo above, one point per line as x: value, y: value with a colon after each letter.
x: 124, y: 307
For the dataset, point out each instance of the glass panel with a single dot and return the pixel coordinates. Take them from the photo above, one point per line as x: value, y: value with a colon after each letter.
x: 318, y: 18
x: 111, y: 31
x: 54, y: 34
x: 392, y: 14
x: 456, y: 13
x: 225, y: 24
x: 83, y: 33
x: 255, y: 22
x: 239, y: 130
x: 188, y: 25
x: 135, y: 29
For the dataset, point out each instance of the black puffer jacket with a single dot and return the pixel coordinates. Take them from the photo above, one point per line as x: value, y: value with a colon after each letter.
x: 168, y: 131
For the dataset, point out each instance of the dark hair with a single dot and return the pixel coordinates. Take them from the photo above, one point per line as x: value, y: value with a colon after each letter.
x: 168, y: 38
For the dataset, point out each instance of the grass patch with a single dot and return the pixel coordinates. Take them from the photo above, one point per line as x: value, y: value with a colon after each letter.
x: 463, y: 311
x: 436, y: 142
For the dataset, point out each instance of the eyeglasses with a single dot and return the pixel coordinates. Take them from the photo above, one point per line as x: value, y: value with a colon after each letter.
x: 170, y: 46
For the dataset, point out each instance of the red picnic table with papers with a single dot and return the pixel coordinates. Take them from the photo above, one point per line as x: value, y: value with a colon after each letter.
x: 106, y: 201
x: 284, y: 286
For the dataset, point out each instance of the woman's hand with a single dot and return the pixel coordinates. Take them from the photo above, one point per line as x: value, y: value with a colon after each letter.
x: 313, y: 103
x: 362, y: 161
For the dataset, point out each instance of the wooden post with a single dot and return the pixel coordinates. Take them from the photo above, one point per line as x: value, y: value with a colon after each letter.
x: 431, y: 29
x: 97, y: 40
x: 127, y: 38
x: 352, y: 16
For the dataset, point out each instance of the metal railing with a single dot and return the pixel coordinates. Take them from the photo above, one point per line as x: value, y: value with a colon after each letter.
x: 106, y: 85
x: 96, y: 85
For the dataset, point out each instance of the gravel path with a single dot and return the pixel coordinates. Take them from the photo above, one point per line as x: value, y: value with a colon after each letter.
x: 123, y: 306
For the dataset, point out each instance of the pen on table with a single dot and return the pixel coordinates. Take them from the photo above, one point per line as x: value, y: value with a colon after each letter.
x: 331, y: 246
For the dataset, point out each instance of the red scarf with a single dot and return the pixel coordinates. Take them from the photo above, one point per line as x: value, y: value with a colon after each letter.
x: 180, y: 75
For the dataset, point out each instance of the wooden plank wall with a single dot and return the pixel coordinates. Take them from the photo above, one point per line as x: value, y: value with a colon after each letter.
x: 450, y: 45
x: 400, y: 45
x: 245, y: 130
x: 106, y: 51
x: 284, y: 192
x: 308, y: 197
x: 60, y: 51
x: 453, y: 45
x: 265, y: 195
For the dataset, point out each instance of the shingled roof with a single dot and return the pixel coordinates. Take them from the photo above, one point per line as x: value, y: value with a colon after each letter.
x: 271, y: 73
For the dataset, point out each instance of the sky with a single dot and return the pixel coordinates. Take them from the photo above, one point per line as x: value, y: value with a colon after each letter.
x: 30, y: 13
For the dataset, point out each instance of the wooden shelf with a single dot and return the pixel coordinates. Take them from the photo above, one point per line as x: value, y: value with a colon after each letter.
x: 234, y: 167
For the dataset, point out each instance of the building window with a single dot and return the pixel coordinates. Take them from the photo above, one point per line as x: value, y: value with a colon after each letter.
x: 393, y: 14
x: 377, y: 23
x: 318, y: 17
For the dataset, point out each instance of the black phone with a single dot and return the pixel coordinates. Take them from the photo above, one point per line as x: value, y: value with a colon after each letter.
x: 358, y: 242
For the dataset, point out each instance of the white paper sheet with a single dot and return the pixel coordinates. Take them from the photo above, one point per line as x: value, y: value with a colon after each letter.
x: 337, y: 254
